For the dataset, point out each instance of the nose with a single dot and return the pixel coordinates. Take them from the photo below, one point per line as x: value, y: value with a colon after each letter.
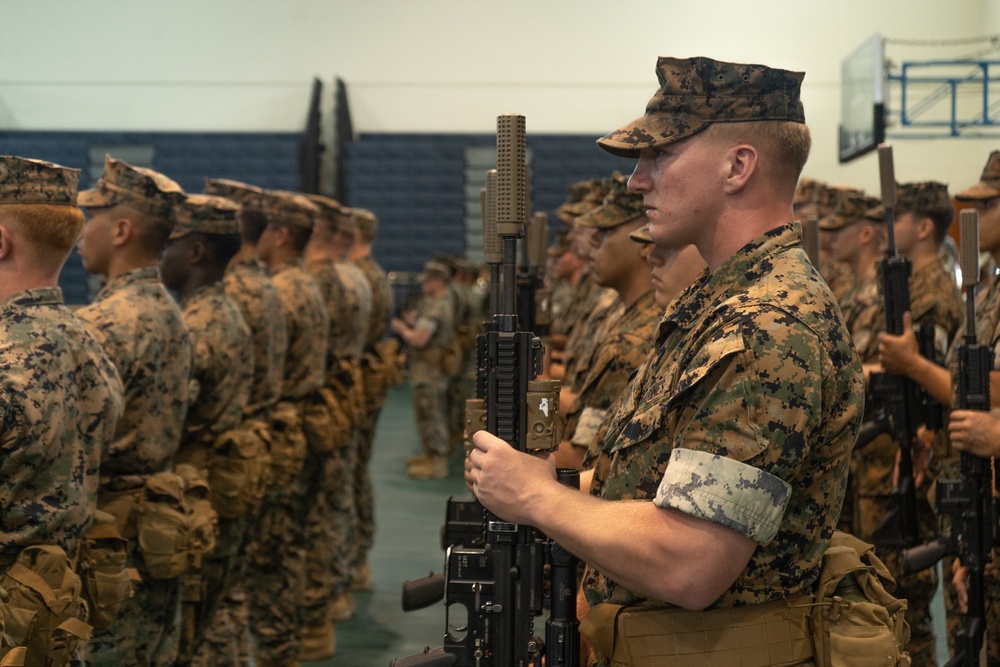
x: 639, y: 181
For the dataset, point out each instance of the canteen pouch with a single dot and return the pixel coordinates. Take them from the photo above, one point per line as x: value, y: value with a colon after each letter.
x: 43, y: 614
x: 288, y: 444
x: 856, y: 621
x: 238, y: 469
x: 106, y: 580
x: 175, y: 522
x: 326, y: 422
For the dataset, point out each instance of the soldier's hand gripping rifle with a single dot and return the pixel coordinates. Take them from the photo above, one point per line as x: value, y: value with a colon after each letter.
x: 968, y: 501
x: 498, y: 587
x: 898, y: 395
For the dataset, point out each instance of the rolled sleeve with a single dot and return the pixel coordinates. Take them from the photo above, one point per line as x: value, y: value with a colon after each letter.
x: 726, y: 492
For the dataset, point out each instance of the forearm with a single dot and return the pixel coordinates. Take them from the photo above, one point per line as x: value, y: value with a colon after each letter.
x: 936, y: 380
x: 660, y: 553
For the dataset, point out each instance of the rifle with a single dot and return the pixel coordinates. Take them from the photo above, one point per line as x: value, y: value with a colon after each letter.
x: 499, y: 585
x: 967, y: 501
x: 534, y: 301
x: 899, y: 396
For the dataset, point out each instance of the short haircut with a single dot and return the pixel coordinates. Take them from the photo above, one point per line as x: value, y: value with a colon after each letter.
x: 152, y: 231
x: 52, y: 230
x: 252, y: 223
x: 785, y: 146
x: 942, y: 214
x: 222, y: 247
x: 300, y: 235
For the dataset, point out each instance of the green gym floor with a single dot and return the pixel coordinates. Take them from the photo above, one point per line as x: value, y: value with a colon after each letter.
x: 409, y: 515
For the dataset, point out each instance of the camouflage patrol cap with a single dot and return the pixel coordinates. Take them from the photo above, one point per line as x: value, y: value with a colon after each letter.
x: 28, y: 181
x: 619, y: 206
x: 591, y: 194
x: 921, y: 196
x: 330, y: 211
x: 435, y: 269
x: 366, y: 221
x: 696, y: 92
x: 243, y: 194
x: 143, y: 189
x: 988, y: 186
x: 205, y: 214
x: 559, y: 245
x: 292, y: 208
x: 805, y: 196
x: 641, y: 235
x: 852, y: 206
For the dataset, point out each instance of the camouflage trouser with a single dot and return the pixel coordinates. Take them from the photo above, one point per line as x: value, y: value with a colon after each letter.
x: 276, y: 566
x: 364, y: 494
x: 331, y: 533
x: 146, y: 631
x: 429, y: 407
x: 216, y: 639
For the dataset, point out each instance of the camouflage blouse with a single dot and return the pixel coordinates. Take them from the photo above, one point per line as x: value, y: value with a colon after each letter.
x: 616, y: 357
x: 378, y: 322
x: 751, y: 364
x: 359, y: 308
x: 60, y: 399
x: 307, y: 325
x: 222, y: 368
x: 142, y: 331
x: 253, y: 293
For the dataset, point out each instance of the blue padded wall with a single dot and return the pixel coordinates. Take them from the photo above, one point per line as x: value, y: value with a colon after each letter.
x: 415, y: 184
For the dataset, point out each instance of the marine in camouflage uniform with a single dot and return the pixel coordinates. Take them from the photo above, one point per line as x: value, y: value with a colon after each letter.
x: 923, y: 216
x: 249, y: 287
x: 378, y: 354
x: 276, y: 562
x: 60, y: 395
x: 984, y: 195
x: 143, y: 332
x: 204, y: 239
x: 737, y: 431
x: 332, y: 521
x: 426, y: 340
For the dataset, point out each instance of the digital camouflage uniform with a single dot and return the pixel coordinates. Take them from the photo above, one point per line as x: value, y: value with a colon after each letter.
x: 276, y: 563
x: 220, y: 376
x: 332, y: 519
x: 143, y: 332
x: 378, y: 324
x: 60, y: 399
x: 250, y: 289
x: 625, y: 345
x: 752, y: 364
x: 605, y: 309
x: 427, y: 381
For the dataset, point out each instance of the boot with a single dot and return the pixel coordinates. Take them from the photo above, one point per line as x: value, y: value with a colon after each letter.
x: 342, y: 608
x: 433, y: 468
x: 362, y: 580
x: 318, y: 643
x: 419, y: 458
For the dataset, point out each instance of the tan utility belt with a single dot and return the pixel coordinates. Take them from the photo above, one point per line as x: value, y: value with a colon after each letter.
x: 775, y: 634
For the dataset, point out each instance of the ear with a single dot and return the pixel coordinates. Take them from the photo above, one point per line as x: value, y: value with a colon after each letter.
x: 741, y: 164
x: 6, y: 242
x: 197, y: 251
x: 925, y: 228
x: 282, y: 236
x: 122, y: 230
